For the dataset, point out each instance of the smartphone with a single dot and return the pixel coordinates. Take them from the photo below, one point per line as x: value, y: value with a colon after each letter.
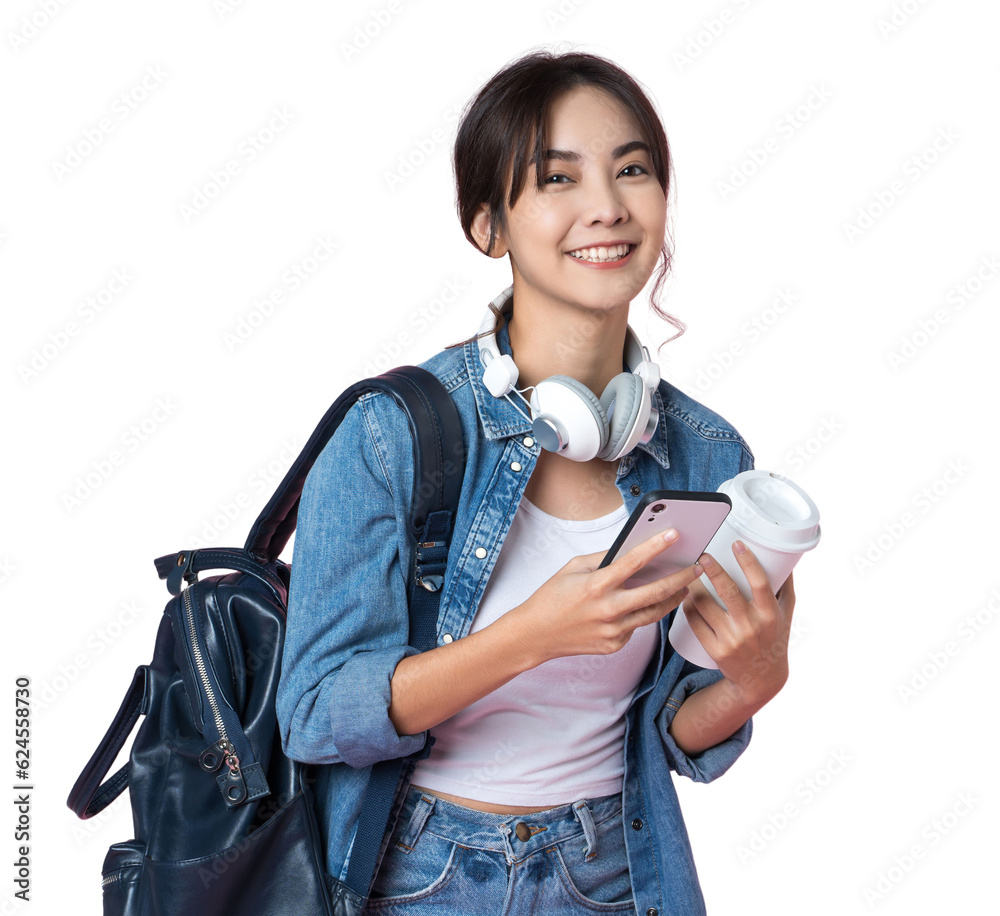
x: 696, y: 515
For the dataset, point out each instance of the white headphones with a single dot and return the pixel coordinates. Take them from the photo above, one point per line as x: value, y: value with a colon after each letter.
x: 566, y: 416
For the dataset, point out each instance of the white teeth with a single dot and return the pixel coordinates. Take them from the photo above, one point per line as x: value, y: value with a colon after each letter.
x: 601, y: 254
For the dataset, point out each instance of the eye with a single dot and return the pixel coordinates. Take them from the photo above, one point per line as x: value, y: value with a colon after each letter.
x: 548, y: 178
x: 642, y: 170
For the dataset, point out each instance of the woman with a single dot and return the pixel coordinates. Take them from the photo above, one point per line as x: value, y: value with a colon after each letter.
x: 556, y: 704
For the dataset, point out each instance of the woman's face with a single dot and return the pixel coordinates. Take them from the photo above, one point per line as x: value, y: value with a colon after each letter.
x: 598, y: 187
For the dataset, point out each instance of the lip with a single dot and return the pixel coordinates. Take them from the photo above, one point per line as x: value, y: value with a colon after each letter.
x: 607, y: 265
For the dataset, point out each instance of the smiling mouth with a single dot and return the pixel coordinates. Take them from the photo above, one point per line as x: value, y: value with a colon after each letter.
x: 601, y: 254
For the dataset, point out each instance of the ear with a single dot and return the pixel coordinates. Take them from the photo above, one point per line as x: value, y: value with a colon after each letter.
x: 481, y: 232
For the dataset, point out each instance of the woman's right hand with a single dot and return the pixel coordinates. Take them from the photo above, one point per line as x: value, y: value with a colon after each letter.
x: 581, y: 610
x: 585, y: 610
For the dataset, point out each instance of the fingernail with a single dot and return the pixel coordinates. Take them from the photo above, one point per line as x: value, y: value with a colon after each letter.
x: 705, y: 561
x: 670, y: 534
x: 739, y: 547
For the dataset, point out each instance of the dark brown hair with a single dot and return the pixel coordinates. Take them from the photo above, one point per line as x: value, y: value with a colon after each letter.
x: 499, y: 124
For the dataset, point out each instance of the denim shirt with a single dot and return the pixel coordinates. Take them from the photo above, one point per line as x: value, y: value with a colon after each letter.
x: 348, y: 621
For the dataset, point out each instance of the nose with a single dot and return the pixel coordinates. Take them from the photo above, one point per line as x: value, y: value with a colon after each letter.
x: 604, y: 203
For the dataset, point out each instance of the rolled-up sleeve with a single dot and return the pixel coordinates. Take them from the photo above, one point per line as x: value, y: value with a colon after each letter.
x: 685, y: 678
x: 713, y: 761
x: 348, y: 621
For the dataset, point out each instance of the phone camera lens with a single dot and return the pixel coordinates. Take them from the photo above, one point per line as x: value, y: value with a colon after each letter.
x: 657, y: 507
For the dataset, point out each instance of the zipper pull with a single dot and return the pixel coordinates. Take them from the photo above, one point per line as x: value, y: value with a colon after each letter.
x: 213, y: 756
x: 231, y: 782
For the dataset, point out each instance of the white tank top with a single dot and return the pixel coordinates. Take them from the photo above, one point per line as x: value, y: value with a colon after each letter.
x: 554, y: 734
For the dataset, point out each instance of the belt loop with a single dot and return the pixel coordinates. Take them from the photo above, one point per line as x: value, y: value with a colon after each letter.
x: 586, y: 820
x: 421, y: 811
x: 504, y: 829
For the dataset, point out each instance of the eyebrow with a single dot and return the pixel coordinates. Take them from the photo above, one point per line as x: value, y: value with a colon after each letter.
x: 619, y: 151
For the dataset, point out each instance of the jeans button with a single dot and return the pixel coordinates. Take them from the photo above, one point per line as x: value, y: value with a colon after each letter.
x: 635, y: 489
x: 637, y: 824
x: 523, y: 831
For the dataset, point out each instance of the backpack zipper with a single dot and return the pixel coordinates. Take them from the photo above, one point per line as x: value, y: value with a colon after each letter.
x: 222, y: 751
x: 199, y: 663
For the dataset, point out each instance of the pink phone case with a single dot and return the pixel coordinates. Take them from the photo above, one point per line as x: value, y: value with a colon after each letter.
x: 696, y: 516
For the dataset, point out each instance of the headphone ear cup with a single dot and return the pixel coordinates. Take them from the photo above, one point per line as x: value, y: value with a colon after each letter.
x: 625, y: 400
x: 580, y: 416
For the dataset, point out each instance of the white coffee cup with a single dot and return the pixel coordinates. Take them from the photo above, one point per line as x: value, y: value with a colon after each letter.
x: 777, y: 520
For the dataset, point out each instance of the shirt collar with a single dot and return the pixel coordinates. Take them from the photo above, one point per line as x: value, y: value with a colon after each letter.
x: 500, y: 419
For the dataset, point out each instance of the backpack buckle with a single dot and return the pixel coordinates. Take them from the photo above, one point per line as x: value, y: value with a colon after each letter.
x: 429, y: 563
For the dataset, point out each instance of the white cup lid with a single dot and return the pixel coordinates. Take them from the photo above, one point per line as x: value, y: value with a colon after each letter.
x: 772, y: 511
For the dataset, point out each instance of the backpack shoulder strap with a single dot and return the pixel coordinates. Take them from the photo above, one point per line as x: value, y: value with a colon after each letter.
x: 438, y: 456
x: 439, y: 466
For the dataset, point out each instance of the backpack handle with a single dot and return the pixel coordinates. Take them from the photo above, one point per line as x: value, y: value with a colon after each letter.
x: 89, y: 795
x: 437, y: 476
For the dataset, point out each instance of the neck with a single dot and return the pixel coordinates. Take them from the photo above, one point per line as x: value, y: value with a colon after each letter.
x: 553, y: 338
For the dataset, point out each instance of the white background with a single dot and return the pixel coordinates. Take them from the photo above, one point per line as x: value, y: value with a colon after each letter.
x: 869, y: 783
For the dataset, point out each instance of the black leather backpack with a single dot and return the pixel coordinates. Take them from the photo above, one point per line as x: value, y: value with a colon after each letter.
x: 223, y: 819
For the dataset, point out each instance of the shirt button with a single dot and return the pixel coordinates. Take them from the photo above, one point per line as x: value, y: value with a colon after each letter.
x: 481, y: 553
x: 447, y: 638
x: 635, y: 489
x: 528, y: 442
x: 637, y: 824
x: 515, y: 466
x: 652, y: 911
x: 523, y: 831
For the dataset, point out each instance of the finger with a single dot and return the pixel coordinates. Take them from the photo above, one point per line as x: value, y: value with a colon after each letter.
x: 701, y: 628
x: 626, y: 565
x: 727, y: 590
x: 708, y: 608
x: 754, y: 572
x: 664, y: 591
x: 587, y: 562
x: 652, y: 613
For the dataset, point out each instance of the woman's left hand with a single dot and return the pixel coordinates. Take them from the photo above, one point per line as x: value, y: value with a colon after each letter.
x: 748, y: 640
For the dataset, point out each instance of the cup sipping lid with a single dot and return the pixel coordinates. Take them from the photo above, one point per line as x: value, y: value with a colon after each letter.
x: 772, y: 511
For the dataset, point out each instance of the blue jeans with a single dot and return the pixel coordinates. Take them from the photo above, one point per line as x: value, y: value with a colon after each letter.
x: 445, y: 859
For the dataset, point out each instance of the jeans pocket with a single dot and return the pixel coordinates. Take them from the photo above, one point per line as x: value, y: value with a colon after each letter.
x: 600, y: 881
x: 414, y: 872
